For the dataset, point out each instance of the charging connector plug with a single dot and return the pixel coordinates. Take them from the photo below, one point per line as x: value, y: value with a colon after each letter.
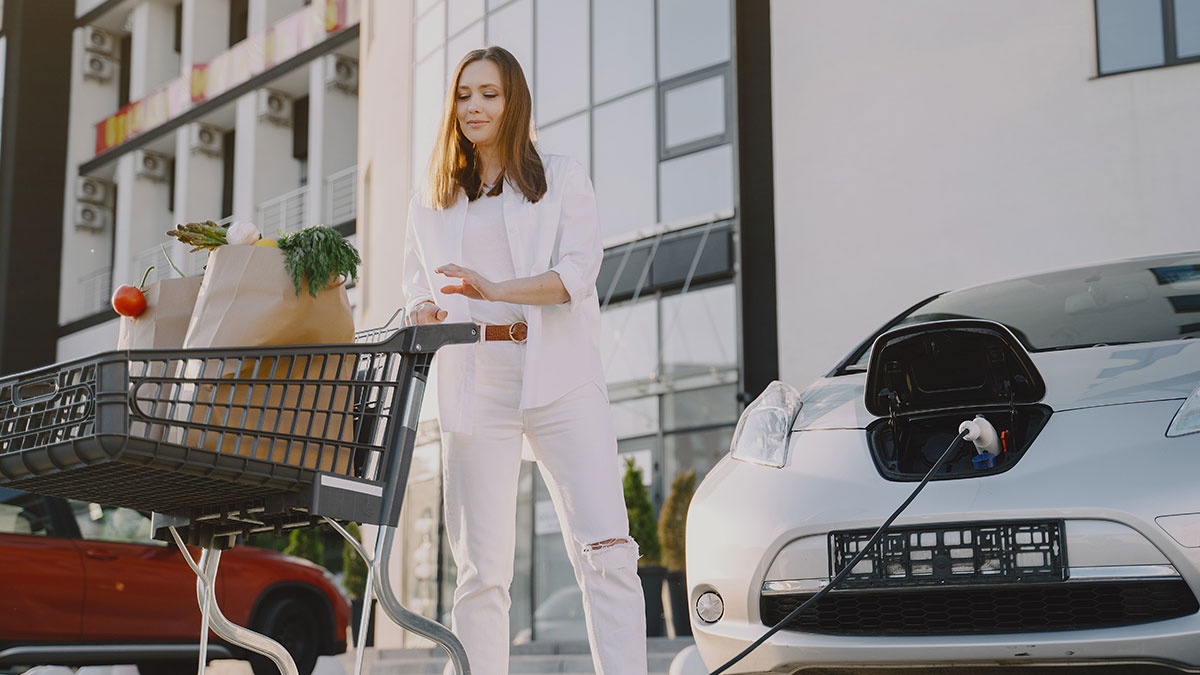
x: 987, y: 442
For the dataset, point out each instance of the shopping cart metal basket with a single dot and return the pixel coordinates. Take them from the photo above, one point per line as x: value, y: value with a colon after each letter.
x: 232, y: 441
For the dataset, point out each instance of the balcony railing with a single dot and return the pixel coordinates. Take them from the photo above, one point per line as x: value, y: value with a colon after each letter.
x: 97, y: 290
x: 283, y: 214
x: 341, y: 196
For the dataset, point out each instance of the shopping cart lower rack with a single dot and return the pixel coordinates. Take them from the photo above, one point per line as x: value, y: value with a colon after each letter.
x: 233, y: 441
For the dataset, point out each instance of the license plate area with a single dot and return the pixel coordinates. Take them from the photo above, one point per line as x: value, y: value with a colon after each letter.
x: 946, y: 554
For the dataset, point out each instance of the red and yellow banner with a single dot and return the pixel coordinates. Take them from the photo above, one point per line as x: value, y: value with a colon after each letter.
x: 282, y: 41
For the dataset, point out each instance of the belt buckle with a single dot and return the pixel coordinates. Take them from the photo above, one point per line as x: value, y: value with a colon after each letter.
x: 517, y: 332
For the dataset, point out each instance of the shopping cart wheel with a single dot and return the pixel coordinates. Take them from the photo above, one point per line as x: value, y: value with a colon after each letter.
x: 294, y: 624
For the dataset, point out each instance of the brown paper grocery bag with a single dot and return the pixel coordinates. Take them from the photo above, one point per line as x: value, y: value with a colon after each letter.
x: 162, y: 325
x: 248, y: 299
x: 164, y: 322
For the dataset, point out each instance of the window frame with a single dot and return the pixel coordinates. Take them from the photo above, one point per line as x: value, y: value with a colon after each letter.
x: 1170, y: 48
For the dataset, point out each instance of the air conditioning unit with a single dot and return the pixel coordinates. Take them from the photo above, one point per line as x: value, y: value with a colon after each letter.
x: 98, y: 67
x: 152, y: 166
x: 275, y: 107
x: 341, y: 72
x: 92, y: 218
x: 98, y: 41
x: 206, y: 139
x: 93, y: 191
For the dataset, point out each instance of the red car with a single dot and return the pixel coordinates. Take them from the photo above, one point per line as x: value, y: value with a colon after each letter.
x: 83, y: 584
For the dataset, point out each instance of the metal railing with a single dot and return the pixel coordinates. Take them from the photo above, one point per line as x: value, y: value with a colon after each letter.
x: 97, y: 289
x: 341, y: 196
x: 283, y: 214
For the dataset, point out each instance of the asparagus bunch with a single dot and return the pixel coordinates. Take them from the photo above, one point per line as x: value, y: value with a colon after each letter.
x: 206, y: 235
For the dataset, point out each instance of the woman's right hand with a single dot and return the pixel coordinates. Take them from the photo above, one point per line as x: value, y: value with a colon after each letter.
x: 426, y: 312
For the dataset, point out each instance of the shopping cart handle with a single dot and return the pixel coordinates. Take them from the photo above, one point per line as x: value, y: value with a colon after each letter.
x: 428, y: 338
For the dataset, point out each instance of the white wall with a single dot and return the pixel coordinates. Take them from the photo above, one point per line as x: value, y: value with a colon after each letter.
x: 932, y: 144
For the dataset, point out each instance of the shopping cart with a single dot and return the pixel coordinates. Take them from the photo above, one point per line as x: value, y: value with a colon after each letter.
x: 234, y: 441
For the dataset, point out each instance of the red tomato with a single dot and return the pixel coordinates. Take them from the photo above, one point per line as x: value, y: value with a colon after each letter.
x: 128, y: 300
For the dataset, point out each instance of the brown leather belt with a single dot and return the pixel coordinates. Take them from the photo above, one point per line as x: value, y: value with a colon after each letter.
x: 517, y: 332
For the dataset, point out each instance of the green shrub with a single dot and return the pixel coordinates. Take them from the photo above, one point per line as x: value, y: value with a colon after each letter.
x: 305, y: 542
x: 672, y: 522
x: 641, y: 515
x: 354, y: 566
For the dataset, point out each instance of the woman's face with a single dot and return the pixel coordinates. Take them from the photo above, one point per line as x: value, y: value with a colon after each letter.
x: 480, y: 102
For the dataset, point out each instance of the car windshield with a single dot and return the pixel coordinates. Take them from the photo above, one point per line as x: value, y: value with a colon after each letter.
x: 1119, y: 303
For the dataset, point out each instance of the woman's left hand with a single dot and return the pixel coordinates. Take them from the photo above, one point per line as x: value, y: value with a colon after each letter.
x: 473, y: 285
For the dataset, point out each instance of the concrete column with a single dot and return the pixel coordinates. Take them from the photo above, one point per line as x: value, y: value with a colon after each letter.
x: 385, y: 123
x: 263, y: 13
x: 154, y: 61
x: 198, y: 175
x: 84, y: 252
x: 263, y: 165
x: 198, y: 179
x: 142, y: 218
x: 205, y: 32
x: 332, y: 118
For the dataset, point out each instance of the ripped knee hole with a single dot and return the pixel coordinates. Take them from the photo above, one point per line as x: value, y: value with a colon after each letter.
x: 607, y: 543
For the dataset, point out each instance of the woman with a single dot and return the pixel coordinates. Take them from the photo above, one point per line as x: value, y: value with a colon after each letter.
x: 509, y: 239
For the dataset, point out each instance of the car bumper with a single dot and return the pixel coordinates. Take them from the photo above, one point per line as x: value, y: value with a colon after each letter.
x: 1108, y: 482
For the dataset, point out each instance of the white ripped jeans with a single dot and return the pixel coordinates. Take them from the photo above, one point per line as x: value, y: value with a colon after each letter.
x: 574, y: 443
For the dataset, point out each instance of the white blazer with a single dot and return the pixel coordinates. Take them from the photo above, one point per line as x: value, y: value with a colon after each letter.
x: 561, y: 232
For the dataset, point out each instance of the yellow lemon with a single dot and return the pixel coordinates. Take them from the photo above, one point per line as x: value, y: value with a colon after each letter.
x: 268, y: 243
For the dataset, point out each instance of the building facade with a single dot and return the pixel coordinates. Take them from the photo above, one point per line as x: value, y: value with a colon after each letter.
x: 644, y: 94
x: 193, y: 110
x: 775, y: 180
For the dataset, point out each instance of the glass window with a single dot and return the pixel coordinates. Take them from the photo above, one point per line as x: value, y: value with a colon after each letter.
x: 700, y: 407
x: 699, y: 184
x: 520, y: 613
x: 106, y: 523
x: 699, y: 331
x: 699, y: 450
x: 421, y: 517
x: 695, y: 111
x: 429, y: 89
x: 512, y: 28
x: 23, y: 513
x: 493, y: 4
x: 626, y: 149
x: 643, y: 452
x: 570, y: 137
x: 431, y: 30
x: 623, y: 53
x: 462, y: 13
x: 692, y: 34
x: 678, y: 253
x: 423, y: 6
x: 558, y: 611
x: 562, y: 58
x: 1130, y: 33
x: 1187, y: 28
x: 635, y: 417
x: 629, y: 341
x: 458, y: 46
x: 630, y: 262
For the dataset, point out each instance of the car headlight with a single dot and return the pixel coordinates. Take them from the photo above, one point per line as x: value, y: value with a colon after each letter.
x: 762, y: 433
x: 1187, y: 420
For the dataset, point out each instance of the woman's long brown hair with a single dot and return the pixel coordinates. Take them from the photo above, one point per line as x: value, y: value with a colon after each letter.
x: 454, y: 163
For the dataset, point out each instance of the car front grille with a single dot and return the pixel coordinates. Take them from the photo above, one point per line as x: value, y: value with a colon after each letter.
x: 1005, y: 608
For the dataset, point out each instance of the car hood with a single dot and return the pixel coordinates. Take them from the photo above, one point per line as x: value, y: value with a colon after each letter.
x: 1075, y: 378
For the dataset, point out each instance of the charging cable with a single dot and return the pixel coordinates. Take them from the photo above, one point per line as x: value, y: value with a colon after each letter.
x: 850, y: 565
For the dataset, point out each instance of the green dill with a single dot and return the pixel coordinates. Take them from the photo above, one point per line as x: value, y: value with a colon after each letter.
x: 318, y: 254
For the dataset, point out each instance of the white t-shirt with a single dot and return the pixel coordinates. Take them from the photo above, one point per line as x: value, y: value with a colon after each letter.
x: 485, y: 250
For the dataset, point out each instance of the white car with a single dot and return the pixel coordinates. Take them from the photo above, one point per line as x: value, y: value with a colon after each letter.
x: 1073, y: 541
